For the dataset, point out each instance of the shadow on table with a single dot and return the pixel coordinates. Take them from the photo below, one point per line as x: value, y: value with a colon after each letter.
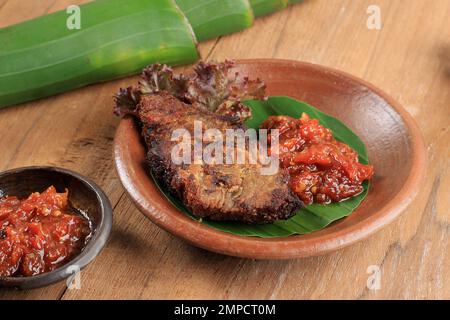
x: 444, y: 57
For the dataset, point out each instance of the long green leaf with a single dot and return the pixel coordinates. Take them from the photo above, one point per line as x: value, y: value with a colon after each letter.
x: 313, y: 217
x: 265, y: 7
x: 42, y: 57
x: 213, y: 18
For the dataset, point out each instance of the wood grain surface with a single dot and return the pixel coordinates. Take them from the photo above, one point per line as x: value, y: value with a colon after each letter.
x: 409, y: 58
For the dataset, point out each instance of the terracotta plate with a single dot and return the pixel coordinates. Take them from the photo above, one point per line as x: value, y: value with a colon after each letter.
x: 393, y: 140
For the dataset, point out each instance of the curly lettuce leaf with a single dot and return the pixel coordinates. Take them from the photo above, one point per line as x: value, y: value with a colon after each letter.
x: 212, y: 86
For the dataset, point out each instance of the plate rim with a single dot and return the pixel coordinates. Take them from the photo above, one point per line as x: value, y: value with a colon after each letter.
x: 295, y: 246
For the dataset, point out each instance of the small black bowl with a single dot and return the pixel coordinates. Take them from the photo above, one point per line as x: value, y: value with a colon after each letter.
x: 84, y: 194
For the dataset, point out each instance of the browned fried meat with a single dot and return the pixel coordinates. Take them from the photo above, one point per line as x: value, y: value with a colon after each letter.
x: 164, y: 103
x: 217, y: 191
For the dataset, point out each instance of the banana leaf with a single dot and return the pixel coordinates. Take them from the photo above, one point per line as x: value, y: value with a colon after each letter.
x: 213, y: 18
x: 266, y: 7
x: 43, y: 56
x: 313, y: 217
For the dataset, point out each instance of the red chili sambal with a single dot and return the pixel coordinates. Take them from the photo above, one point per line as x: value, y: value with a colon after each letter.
x: 40, y: 233
x: 322, y: 169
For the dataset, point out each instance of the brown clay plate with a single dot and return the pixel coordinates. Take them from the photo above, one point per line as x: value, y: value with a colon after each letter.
x: 393, y: 140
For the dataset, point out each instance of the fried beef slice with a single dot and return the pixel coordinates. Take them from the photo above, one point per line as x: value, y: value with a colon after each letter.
x: 217, y: 191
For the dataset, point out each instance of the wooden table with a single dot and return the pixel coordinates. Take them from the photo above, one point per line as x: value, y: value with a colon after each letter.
x: 409, y: 58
